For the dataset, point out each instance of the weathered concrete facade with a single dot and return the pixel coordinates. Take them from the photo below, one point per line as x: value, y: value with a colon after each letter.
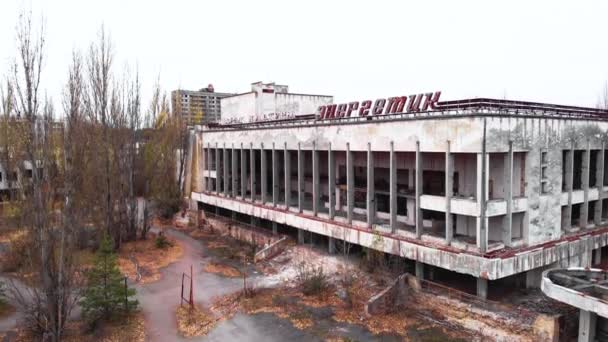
x: 486, y: 192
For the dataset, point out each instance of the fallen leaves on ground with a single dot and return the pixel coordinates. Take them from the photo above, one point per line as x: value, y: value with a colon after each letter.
x: 223, y: 270
x: 192, y: 322
x: 130, y: 328
x: 149, y: 258
x: 10, y: 235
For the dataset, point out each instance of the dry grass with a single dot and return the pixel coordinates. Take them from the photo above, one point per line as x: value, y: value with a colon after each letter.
x: 149, y: 258
x: 223, y: 270
x: 130, y: 328
x: 10, y: 235
x: 193, y: 322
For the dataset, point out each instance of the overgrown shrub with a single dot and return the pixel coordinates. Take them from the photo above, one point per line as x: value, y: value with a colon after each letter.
x: 16, y: 257
x: 312, y: 279
x: 161, y: 241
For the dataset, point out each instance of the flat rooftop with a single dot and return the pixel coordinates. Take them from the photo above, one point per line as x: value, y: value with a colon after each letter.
x: 443, y: 109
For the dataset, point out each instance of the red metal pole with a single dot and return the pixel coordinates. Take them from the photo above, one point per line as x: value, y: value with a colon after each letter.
x: 181, y: 302
x: 191, y: 288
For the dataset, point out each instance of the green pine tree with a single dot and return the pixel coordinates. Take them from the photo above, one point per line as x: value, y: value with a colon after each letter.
x: 106, y: 295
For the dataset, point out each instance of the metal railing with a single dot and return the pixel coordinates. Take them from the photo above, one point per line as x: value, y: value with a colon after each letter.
x: 248, y: 226
x: 468, y: 107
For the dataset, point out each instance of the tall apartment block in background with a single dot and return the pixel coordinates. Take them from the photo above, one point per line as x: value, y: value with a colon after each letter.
x: 198, y: 106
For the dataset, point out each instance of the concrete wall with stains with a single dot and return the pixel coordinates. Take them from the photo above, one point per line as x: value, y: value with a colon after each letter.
x: 537, y: 213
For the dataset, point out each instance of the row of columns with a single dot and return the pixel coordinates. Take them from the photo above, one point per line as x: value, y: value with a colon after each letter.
x: 585, y: 172
x: 224, y: 169
x: 222, y: 178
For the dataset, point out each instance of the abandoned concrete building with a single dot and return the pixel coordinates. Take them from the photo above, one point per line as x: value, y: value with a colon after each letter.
x: 497, y: 190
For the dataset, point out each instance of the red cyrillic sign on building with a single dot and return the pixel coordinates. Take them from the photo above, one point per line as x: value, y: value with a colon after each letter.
x: 400, y: 104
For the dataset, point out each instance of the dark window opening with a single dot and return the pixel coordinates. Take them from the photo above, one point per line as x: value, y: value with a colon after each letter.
x: 433, y: 183
x: 578, y: 170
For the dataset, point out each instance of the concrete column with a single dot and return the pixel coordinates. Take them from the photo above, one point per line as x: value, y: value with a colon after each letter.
x: 567, y: 223
x: 275, y: 177
x: 226, y: 169
x: 263, y: 174
x: 534, y: 278
x: 449, y: 185
x: 597, y: 257
x: 287, y: 159
x: 482, y: 233
x: 218, y: 173
x: 419, y: 270
x: 275, y: 228
x: 253, y: 176
x: 584, y: 220
x: 331, y: 247
x: 350, y: 184
x: 393, y: 188
x: 507, y: 223
x: 315, y: 180
x: 205, y: 168
x: 371, y: 192
x: 418, y: 213
x: 300, y: 236
x: 599, y: 184
x: 243, y: 172
x: 234, y: 171
x: 482, y: 288
x: 586, y: 326
x: 331, y: 184
x: 300, y: 179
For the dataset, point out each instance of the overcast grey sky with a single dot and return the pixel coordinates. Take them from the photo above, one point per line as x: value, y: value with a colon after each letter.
x: 550, y: 51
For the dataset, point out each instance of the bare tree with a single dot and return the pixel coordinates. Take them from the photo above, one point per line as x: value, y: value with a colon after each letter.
x: 100, y: 79
x: 46, y: 305
x: 7, y: 107
x: 134, y: 116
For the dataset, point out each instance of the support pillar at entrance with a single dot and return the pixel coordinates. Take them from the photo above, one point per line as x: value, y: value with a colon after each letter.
x: 597, y: 256
x: 287, y: 159
x: 449, y: 185
x: 599, y: 184
x: 275, y: 177
x: 419, y: 270
x: 300, y: 179
x: 418, y: 213
x: 393, y: 189
x: 586, y: 326
x: 243, y: 172
x: 350, y: 184
x: 331, y: 245
x: 252, y: 169
x: 263, y: 175
x: 507, y: 224
x: 316, y: 195
x: 275, y: 228
x: 567, y: 221
x: 371, y: 193
x: 331, y: 182
x: 482, y: 288
x: 584, y: 220
x: 300, y: 236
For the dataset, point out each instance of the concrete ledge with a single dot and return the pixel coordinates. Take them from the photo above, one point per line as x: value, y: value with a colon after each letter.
x: 572, y: 250
x: 573, y: 297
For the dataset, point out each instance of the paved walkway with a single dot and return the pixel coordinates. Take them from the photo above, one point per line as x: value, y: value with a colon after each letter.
x: 159, y: 300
